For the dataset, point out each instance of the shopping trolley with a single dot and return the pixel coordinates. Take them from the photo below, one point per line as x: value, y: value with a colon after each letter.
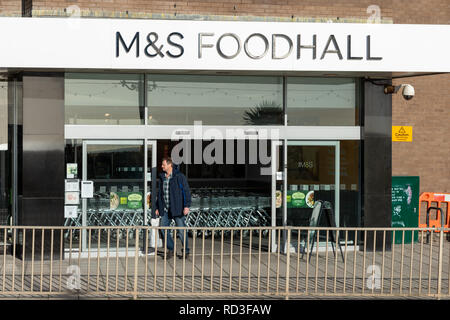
x: 223, y: 208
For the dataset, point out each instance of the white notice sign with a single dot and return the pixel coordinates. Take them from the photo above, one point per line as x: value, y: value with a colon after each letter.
x: 72, y: 197
x: 70, y: 212
x: 72, y: 185
x: 87, y: 189
x: 72, y: 170
x: 279, y: 175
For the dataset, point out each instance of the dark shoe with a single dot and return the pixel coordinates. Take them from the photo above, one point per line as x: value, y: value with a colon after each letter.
x: 186, y: 255
x: 168, y: 254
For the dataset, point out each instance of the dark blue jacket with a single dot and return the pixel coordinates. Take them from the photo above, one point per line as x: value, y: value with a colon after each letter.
x: 179, y: 193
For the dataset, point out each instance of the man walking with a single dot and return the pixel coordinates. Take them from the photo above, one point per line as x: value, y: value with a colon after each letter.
x: 173, y: 202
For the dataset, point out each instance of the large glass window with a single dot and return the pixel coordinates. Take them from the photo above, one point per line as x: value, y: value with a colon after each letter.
x: 118, y: 99
x: 3, y: 116
x: 232, y: 191
x: 311, y: 177
x: 109, y: 99
x: 116, y: 169
x: 350, y: 188
x: 215, y: 100
x: 322, y: 101
x: 4, y: 156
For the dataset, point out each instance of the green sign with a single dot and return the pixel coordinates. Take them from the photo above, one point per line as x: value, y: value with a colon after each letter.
x: 300, y: 199
x: 125, y: 200
x: 405, y: 207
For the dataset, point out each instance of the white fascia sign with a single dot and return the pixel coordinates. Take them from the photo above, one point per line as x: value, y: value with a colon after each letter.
x: 222, y: 45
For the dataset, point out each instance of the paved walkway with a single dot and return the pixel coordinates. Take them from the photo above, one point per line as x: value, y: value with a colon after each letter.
x: 232, y: 271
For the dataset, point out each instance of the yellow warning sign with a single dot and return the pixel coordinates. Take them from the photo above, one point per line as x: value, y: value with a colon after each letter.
x: 402, y: 133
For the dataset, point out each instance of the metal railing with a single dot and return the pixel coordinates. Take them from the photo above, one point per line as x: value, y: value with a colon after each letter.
x: 233, y: 262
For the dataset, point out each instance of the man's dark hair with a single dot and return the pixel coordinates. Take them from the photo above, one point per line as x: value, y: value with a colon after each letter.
x: 168, y: 160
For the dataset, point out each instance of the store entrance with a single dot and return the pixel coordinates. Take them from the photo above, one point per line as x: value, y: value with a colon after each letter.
x: 235, y: 192
x: 312, y: 174
x: 122, y: 173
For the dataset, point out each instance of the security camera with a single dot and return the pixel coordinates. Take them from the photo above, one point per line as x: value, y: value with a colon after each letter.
x: 407, y: 92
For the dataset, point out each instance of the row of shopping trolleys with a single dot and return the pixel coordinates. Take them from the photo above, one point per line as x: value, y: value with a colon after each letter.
x: 106, y: 217
x: 229, y: 212
x: 218, y: 212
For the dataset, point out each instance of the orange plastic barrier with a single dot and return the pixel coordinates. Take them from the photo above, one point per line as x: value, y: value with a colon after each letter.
x: 431, y: 199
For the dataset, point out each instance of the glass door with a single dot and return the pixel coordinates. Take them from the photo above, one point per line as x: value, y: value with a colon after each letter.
x: 116, y: 169
x: 312, y: 174
x: 277, y: 191
x: 150, y: 181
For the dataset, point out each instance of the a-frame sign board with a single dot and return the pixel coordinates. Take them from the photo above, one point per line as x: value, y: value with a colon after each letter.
x: 321, y: 207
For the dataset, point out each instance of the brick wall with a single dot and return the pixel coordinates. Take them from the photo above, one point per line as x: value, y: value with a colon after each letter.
x: 10, y: 8
x: 429, y: 115
x: 290, y: 9
x: 398, y: 11
x: 421, y: 11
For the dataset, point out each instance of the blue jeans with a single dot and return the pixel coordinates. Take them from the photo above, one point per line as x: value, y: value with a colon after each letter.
x: 179, y: 222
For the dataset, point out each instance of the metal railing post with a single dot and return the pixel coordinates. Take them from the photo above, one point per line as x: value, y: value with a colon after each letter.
x: 136, y: 260
x: 288, y: 260
x: 441, y: 250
